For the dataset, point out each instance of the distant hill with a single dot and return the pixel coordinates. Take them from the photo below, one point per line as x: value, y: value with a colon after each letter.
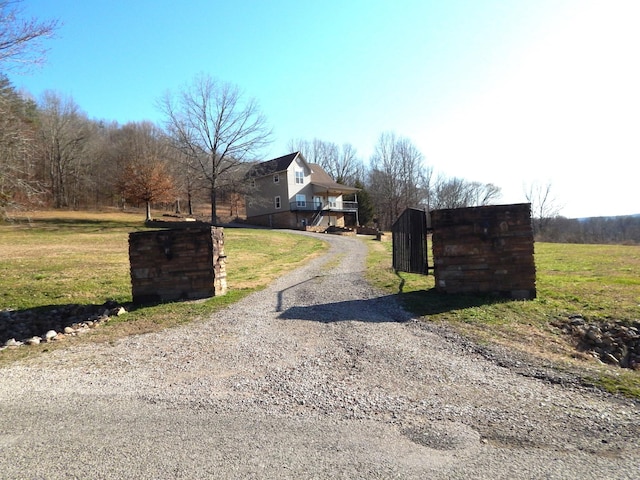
x: 608, y: 217
x: 619, y: 229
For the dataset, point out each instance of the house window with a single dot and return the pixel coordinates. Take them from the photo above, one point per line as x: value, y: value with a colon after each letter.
x: 299, y: 177
x: 301, y: 200
x: 277, y: 202
x: 276, y: 178
x: 333, y: 202
x: 253, y: 183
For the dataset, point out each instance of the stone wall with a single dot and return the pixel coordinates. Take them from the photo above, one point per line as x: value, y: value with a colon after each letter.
x: 177, y: 264
x: 484, y: 250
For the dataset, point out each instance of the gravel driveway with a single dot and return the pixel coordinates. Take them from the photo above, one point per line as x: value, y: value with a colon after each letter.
x: 317, y: 376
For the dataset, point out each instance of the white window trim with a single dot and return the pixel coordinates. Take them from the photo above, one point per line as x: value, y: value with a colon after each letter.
x: 277, y: 202
x: 299, y: 177
x: 301, y: 200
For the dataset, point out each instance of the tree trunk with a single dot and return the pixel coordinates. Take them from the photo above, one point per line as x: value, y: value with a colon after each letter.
x: 214, y: 218
x: 148, y: 211
x: 214, y: 182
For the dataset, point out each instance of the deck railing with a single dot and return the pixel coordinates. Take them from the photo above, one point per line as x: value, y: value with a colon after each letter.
x: 331, y: 207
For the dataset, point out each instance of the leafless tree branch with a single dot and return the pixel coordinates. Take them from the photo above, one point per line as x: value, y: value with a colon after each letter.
x: 214, y: 125
x: 21, y: 39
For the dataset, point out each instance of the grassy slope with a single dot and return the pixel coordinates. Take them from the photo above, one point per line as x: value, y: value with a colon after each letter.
x: 599, y: 282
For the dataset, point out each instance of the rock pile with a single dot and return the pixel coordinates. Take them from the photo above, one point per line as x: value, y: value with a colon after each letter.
x: 612, y: 342
x: 38, y: 325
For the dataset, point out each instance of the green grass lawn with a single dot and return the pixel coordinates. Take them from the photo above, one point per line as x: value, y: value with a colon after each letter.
x: 59, y: 258
x: 599, y: 282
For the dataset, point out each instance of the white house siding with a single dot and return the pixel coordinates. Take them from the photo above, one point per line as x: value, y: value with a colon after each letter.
x: 296, y: 188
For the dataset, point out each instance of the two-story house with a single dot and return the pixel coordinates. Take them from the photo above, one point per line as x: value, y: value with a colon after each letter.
x: 289, y: 192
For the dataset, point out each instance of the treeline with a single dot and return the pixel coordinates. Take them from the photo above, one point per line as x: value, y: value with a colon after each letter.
x: 53, y: 155
x: 597, y: 230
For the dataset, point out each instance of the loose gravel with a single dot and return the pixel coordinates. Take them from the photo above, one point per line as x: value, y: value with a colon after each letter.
x: 317, y: 376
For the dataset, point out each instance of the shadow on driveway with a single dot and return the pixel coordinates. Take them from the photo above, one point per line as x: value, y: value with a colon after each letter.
x: 388, y: 308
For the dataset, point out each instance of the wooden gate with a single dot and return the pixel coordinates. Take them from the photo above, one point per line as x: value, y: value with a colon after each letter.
x: 475, y: 250
x: 409, y: 234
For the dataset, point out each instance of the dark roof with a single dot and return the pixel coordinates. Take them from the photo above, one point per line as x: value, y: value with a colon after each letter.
x: 276, y: 165
x: 319, y: 177
x: 322, y: 179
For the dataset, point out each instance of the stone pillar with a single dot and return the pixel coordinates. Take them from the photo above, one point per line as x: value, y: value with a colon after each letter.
x: 177, y: 264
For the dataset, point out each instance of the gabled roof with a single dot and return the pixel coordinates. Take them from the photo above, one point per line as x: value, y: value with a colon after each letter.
x: 320, y: 178
x: 276, y: 165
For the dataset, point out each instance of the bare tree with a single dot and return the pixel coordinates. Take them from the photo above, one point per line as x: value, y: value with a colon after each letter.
x: 21, y: 38
x: 189, y: 181
x: 450, y: 192
x: 213, y: 125
x: 395, y: 178
x: 484, y: 193
x: 63, y: 134
x: 456, y: 192
x: 349, y: 168
x: 384, y: 180
x: 544, y: 206
x: 18, y: 180
x: 425, y: 182
x: 316, y: 151
x: 410, y: 160
x: 341, y: 163
x: 104, y: 168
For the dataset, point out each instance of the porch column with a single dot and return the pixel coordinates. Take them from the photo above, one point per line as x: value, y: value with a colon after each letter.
x: 355, y: 195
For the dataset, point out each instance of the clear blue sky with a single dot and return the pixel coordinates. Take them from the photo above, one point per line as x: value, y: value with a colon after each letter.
x: 502, y: 91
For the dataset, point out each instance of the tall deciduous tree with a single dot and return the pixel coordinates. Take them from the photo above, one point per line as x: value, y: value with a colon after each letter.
x: 143, y: 159
x: 394, y: 180
x: 18, y: 182
x: 341, y: 163
x: 21, y: 38
x: 544, y: 206
x: 456, y: 192
x: 63, y: 134
x: 214, y: 126
x: 147, y: 180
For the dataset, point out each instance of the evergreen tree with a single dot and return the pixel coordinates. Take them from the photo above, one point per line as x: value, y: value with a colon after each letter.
x: 365, y: 205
